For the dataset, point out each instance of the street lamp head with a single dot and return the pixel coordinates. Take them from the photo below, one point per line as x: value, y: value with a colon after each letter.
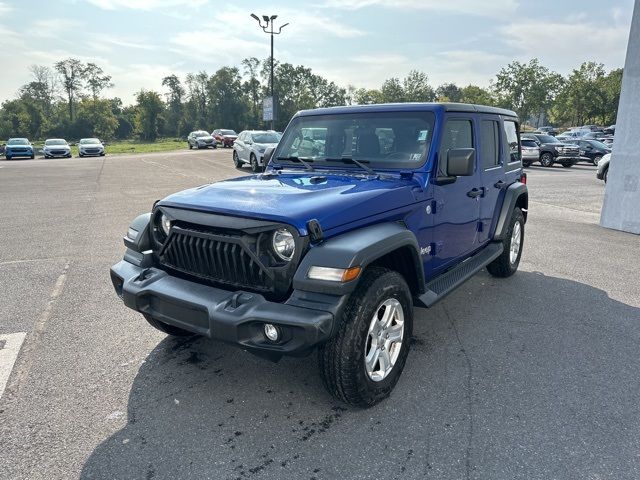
x: 283, y: 26
x: 265, y: 18
x: 256, y: 17
x: 273, y: 17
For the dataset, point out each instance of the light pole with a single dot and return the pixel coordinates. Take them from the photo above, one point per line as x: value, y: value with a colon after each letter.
x: 270, y: 20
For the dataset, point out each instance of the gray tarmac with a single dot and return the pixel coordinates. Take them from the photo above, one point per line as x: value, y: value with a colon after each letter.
x: 532, y: 377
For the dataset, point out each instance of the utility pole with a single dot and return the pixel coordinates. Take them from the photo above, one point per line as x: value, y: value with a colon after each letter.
x: 269, y: 21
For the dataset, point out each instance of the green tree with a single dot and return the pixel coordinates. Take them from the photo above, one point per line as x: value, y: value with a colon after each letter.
x: 476, y: 95
x: 363, y: 96
x: 227, y: 106
x: 175, y: 110
x: 71, y: 71
x: 449, y: 92
x: 528, y: 89
x: 96, y: 118
x: 252, y: 87
x: 416, y: 87
x: 96, y: 80
x: 392, y: 91
x: 148, y: 117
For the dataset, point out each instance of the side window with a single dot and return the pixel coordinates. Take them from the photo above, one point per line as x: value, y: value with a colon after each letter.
x: 513, y: 143
x: 456, y: 134
x: 490, y: 143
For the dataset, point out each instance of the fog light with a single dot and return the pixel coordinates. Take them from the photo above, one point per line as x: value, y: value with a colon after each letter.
x: 271, y: 332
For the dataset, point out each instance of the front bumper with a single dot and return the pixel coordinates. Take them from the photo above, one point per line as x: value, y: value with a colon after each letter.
x: 57, y: 154
x: 18, y: 153
x: 91, y: 152
x: 234, y: 317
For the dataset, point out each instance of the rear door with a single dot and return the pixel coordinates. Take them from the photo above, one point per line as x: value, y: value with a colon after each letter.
x: 491, y: 164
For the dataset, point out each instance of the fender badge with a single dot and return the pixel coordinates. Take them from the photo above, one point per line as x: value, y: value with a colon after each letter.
x: 425, y: 250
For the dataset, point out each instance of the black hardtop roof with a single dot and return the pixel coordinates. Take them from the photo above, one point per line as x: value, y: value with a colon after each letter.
x: 396, y: 107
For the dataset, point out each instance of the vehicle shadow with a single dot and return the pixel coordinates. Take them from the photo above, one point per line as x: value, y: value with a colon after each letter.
x: 536, y: 366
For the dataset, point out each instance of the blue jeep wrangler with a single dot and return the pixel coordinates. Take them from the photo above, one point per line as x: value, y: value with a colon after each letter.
x: 362, y: 213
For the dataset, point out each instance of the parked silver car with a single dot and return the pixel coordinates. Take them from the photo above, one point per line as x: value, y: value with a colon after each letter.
x: 250, y: 146
x: 90, y: 146
x: 56, y: 147
x: 201, y: 139
x: 603, y: 168
x: 530, y: 152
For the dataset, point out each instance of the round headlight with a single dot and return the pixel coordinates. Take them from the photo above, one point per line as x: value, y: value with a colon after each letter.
x: 284, y: 245
x: 165, y: 224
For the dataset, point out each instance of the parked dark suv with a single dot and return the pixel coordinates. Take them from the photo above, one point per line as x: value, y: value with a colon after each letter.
x: 332, y: 247
x: 553, y: 150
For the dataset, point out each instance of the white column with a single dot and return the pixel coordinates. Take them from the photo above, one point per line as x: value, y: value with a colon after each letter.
x: 621, y: 207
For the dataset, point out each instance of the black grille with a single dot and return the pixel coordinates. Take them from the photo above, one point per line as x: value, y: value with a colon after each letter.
x: 214, y: 257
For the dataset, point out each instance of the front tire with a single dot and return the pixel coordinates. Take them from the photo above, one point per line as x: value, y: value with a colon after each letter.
x: 597, y: 159
x: 168, y: 329
x: 507, y: 263
x: 546, y: 160
x: 236, y: 160
x: 362, y: 363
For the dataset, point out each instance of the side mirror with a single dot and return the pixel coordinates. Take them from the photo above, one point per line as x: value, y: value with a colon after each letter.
x: 461, y: 162
x: 268, y: 153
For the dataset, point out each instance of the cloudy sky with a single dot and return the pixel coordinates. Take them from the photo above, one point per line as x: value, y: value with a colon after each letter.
x: 359, y: 42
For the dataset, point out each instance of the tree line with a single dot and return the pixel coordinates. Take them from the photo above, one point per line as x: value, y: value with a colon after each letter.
x: 67, y: 100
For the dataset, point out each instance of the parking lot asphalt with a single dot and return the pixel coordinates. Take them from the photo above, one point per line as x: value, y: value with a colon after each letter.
x: 532, y: 377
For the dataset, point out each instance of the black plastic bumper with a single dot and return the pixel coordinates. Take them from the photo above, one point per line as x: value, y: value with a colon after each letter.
x: 235, y: 317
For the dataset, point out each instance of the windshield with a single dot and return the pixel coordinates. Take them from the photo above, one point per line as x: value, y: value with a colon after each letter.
x: 227, y: 132
x: 17, y: 141
x: 55, y: 142
x: 381, y: 139
x: 264, y: 138
x: 597, y: 144
x: 89, y: 140
x: 201, y: 134
x: 548, y: 139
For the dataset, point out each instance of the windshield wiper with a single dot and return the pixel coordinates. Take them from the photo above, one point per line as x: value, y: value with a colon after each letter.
x: 302, y: 160
x: 347, y: 159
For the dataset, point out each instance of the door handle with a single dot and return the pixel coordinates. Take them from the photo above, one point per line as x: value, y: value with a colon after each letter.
x: 500, y: 184
x: 475, y: 192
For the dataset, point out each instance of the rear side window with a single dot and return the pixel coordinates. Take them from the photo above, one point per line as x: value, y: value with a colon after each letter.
x: 456, y: 134
x: 529, y: 143
x: 513, y: 144
x: 490, y: 143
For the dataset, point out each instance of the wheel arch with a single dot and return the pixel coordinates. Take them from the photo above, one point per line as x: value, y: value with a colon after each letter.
x: 390, y: 245
x: 516, y: 196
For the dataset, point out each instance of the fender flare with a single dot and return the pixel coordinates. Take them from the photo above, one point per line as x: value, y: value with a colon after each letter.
x: 515, y: 193
x: 356, y: 248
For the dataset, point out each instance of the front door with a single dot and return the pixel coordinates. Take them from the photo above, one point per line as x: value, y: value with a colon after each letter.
x: 457, y: 204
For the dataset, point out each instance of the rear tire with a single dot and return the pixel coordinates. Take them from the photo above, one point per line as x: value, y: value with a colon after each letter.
x: 361, y: 341
x: 168, y: 329
x: 255, y: 168
x: 507, y: 263
x: 526, y: 164
x: 597, y: 159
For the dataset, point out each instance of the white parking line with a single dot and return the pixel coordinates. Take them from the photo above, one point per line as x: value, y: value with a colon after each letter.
x: 9, y: 348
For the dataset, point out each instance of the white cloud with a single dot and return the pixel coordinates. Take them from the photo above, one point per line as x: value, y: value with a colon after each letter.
x: 469, y: 7
x: 4, y: 8
x: 571, y: 42
x: 145, y: 4
x: 51, y: 27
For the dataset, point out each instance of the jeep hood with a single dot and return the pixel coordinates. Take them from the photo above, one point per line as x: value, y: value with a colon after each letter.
x: 295, y: 198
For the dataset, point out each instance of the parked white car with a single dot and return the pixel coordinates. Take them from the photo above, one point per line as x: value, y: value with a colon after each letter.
x: 56, y: 147
x: 90, y: 146
x: 250, y: 146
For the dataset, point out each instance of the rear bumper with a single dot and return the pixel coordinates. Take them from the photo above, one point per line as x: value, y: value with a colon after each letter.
x: 235, y: 317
